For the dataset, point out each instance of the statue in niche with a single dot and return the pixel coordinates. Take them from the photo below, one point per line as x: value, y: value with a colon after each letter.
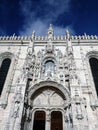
x: 65, y: 59
x: 59, y: 54
x: 16, y: 108
x: 33, y: 59
x: 17, y: 102
x: 39, y: 54
x: 49, y: 47
x: 28, y: 114
x: 68, y: 116
x: 37, y: 71
x: 78, y: 111
x: 78, y: 102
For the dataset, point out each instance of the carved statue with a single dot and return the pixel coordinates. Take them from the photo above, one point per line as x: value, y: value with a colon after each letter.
x: 17, y: 102
x: 16, y: 110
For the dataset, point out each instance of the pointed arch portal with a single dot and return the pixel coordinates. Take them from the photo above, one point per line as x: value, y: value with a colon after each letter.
x: 48, y: 99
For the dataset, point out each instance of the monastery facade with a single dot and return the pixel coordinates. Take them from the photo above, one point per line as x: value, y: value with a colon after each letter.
x: 49, y: 83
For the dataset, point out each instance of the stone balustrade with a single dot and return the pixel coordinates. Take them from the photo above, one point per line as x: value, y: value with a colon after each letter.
x: 43, y: 38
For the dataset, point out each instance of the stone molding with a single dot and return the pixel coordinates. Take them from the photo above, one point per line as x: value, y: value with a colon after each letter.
x: 8, y: 81
x: 42, y: 38
x: 93, y: 101
x: 64, y: 90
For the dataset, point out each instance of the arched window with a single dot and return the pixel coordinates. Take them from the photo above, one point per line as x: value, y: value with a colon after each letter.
x: 94, y: 69
x: 3, y: 72
x: 49, y: 67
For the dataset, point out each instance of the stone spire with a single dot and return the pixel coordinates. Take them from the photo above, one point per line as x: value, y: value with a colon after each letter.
x: 69, y: 44
x: 50, y: 32
x: 67, y: 34
x: 33, y: 35
x: 31, y: 43
x: 49, y: 46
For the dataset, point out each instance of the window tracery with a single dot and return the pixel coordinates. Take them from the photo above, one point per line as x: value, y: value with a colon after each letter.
x: 49, y: 68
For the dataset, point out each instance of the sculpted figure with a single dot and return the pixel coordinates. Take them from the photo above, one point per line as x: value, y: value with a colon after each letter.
x: 18, y: 99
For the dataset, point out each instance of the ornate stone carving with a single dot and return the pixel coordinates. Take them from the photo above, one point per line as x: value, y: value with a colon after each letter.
x: 17, y: 103
x: 50, y: 33
x: 48, y: 91
x: 48, y: 98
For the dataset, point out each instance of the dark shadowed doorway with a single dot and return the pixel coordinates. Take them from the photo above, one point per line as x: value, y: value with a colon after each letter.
x: 56, y: 120
x: 39, y: 120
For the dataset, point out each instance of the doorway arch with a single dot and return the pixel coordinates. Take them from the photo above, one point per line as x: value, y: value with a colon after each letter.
x: 52, y: 98
x: 51, y: 84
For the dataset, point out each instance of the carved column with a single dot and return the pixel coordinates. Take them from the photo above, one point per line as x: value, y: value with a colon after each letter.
x: 48, y: 120
x: 17, y: 105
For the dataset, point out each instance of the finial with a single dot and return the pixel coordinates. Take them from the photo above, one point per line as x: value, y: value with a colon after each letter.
x: 50, y: 32
x: 50, y: 27
x: 85, y: 35
x: 67, y: 34
x: 13, y: 34
x: 33, y: 34
x: 67, y: 31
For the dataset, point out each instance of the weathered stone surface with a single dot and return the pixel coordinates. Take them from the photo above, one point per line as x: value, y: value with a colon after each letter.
x: 49, y: 74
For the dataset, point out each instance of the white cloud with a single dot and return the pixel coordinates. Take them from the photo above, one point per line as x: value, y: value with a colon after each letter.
x: 34, y: 21
x: 37, y: 26
x: 41, y: 28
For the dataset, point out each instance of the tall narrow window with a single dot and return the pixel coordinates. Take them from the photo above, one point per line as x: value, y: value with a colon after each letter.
x: 94, y: 69
x: 49, y: 68
x: 3, y: 72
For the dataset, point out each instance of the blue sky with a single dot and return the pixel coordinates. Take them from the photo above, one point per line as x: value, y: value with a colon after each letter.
x: 23, y: 16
